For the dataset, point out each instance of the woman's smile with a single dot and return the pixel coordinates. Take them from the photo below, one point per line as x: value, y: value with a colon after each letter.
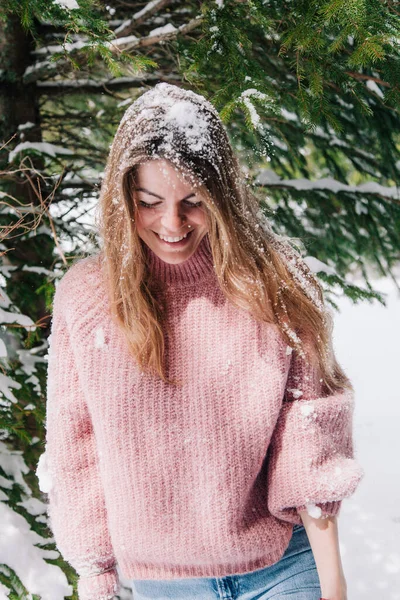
x: 177, y: 241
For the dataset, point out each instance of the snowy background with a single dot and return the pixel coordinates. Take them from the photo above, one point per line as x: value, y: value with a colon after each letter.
x: 366, y: 344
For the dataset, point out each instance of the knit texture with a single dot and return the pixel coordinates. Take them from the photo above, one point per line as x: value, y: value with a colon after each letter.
x: 202, y: 480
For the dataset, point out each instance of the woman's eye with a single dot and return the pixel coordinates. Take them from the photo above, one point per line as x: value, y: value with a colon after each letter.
x: 193, y: 204
x: 146, y: 205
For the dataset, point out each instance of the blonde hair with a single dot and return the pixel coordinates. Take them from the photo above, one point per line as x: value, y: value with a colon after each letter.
x: 257, y: 269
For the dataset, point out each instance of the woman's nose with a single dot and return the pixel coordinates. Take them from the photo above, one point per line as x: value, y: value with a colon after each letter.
x: 173, y: 218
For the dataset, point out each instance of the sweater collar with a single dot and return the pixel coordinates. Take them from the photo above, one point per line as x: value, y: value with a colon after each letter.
x: 193, y: 270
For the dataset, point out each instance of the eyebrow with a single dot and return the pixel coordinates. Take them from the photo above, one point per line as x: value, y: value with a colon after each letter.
x: 160, y: 197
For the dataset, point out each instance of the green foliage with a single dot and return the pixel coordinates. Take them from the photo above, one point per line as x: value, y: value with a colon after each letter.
x: 355, y: 293
x: 85, y: 20
x: 11, y: 581
x: 320, y: 44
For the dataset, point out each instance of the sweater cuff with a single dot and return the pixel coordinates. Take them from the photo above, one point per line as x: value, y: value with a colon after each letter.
x: 328, y: 509
x: 292, y: 515
x: 101, y: 586
x: 311, y: 457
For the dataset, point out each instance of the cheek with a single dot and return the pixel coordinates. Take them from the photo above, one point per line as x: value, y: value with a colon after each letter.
x: 201, y: 219
x: 144, y: 219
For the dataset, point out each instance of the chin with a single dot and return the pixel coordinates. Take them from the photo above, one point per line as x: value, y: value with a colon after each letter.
x: 172, y: 257
x: 175, y: 258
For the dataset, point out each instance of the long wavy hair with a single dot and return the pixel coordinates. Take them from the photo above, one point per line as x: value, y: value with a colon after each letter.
x: 257, y: 269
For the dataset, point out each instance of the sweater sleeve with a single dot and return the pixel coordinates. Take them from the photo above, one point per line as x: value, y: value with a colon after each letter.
x: 76, y: 505
x: 311, y: 454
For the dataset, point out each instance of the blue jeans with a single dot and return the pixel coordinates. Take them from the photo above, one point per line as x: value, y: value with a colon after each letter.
x: 293, y: 577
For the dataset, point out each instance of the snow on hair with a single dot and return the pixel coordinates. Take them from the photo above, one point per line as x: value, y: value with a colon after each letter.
x: 185, y: 122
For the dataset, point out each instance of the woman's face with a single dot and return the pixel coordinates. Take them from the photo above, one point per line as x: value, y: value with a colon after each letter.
x: 168, y: 207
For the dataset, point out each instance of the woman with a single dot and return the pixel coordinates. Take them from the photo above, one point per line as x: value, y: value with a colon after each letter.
x: 199, y: 427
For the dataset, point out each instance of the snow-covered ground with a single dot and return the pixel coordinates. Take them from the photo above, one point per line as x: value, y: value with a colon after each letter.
x: 366, y: 344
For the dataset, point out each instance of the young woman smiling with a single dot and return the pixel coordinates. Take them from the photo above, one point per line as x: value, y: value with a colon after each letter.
x: 199, y: 427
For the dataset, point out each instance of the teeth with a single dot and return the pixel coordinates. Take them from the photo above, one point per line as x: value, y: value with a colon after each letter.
x: 172, y: 239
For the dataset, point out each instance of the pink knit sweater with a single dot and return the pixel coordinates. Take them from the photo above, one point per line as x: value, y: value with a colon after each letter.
x: 204, y: 480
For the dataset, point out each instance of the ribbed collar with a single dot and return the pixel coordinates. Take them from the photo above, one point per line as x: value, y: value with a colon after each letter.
x: 191, y: 271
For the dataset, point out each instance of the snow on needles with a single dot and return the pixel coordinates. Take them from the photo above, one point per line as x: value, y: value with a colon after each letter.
x: 69, y: 4
x: 42, y: 147
x: 245, y: 98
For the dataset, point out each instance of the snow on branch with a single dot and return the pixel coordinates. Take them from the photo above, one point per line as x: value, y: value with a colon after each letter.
x: 139, y: 17
x: 161, y: 34
x: 42, y: 147
x: 114, y: 82
x: 69, y: 4
x: 131, y: 42
x: 269, y: 178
